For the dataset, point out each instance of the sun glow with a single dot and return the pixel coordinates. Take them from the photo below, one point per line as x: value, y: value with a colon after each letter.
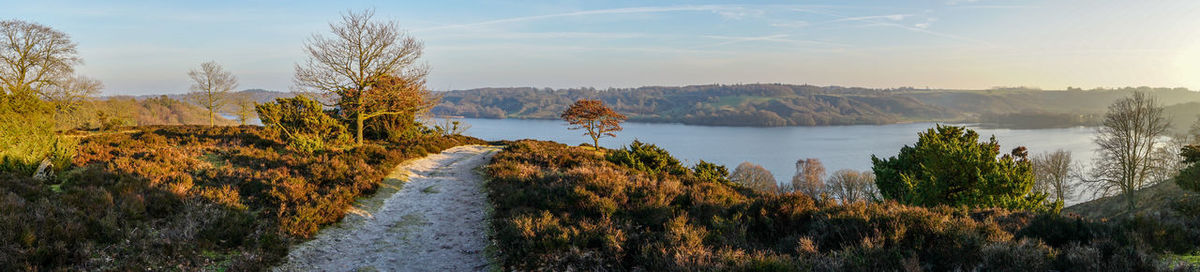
x: 1187, y: 67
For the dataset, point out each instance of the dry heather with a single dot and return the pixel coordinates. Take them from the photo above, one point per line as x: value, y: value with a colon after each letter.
x: 558, y: 208
x: 186, y: 197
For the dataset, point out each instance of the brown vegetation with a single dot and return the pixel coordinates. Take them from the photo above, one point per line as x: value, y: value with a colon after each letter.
x: 187, y: 198
x: 558, y: 207
x: 594, y: 117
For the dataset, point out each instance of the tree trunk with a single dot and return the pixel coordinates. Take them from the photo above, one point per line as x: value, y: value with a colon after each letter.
x: 211, y: 118
x: 359, y: 137
x: 1131, y: 199
x: 596, y: 142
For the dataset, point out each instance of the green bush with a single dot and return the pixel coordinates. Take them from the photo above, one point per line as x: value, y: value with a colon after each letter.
x: 1189, y: 177
x: 950, y: 166
x: 26, y: 134
x: 302, y: 122
x: 711, y: 172
x: 647, y: 157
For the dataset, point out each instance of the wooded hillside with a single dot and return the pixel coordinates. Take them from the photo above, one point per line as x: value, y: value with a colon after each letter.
x: 807, y: 105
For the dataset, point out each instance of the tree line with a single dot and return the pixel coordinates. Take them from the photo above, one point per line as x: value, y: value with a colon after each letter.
x: 950, y: 165
x: 807, y: 105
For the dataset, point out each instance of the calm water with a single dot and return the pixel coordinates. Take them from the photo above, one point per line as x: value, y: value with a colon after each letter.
x: 778, y: 148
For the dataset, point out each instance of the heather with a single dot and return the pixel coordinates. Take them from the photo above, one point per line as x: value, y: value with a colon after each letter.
x: 188, y: 198
x: 558, y: 207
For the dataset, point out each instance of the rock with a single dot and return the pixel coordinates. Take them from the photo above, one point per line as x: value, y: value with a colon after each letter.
x: 44, y: 171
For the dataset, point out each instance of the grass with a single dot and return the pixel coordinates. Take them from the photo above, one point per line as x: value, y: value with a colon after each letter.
x: 407, y: 222
x: 1158, y: 198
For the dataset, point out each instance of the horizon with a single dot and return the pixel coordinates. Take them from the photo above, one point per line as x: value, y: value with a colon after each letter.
x: 142, y: 48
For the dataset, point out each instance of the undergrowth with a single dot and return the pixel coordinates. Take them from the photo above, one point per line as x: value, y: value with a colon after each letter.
x: 187, y: 198
x: 562, y: 208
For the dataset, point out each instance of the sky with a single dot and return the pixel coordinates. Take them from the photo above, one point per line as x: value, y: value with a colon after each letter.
x: 147, y: 47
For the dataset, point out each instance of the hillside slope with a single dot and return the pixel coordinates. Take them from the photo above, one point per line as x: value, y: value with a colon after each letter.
x: 807, y: 105
x: 1156, y: 200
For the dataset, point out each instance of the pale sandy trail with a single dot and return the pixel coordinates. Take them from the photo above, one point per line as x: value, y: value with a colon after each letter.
x: 434, y: 222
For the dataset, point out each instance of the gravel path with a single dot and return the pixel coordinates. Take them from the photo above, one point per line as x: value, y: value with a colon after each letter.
x: 432, y: 222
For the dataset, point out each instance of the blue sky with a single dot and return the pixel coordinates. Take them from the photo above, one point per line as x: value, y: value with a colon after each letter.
x: 146, y: 47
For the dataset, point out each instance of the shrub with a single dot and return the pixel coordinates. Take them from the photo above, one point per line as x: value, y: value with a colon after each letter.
x: 300, y: 119
x: 647, y: 157
x: 557, y: 207
x: 159, y: 197
x: 710, y: 172
x: 950, y: 166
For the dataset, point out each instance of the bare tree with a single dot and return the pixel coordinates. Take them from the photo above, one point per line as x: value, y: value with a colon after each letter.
x: 809, y: 177
x: 361, y: 53
x: 68, y: 93
x: 211, y: 85
x: 755, y: 177
x: 1128, y: 139
x: 243, y: 107
x: 33, y: 57
x: 1193, y: 133
x: 1053, y: 173
x: 853, y: 186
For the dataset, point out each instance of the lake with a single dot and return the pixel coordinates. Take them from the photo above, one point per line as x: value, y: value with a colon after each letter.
x: 778, y: 148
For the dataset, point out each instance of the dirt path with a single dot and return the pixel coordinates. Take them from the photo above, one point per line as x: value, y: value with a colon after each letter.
x: 432, y: 222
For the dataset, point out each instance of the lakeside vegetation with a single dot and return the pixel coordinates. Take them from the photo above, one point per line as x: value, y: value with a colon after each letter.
x: 558, y: 207
x: 760, y: 105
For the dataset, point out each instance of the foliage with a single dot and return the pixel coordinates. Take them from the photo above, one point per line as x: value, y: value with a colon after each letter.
x: 37, y: 87
x: 1189, y: 178
x: 26, y: 134
x: 562, y: 208
x: 162, y: 198
x: 301, y: 122
x: 949, y: 166
x: 711, y: 172
x: 646, y: 157
x: 808, y: 105
x: 370, y: 67
x: 592, y: 115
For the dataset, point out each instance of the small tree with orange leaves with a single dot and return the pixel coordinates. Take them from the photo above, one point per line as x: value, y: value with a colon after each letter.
x: 597, y: 119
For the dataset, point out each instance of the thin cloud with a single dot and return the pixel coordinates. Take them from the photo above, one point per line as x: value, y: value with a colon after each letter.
x: 993, y: 7
x: 538, y: 35
x: 778, y: 38
x: 723, y: 10
x: 928, y: 22
x: 892, y: 17
x: 791, y: 24
x: 875, y: 21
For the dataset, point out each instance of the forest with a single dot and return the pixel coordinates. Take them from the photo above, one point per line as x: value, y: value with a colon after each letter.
x: 763, y: 105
